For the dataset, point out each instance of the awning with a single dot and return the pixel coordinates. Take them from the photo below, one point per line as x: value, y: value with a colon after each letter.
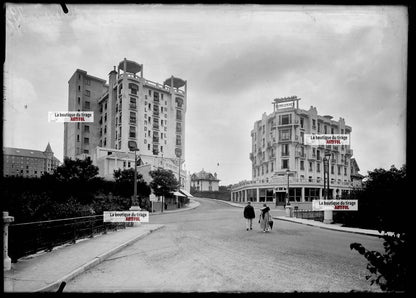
x: 186, y: 193
x: 176, y: 193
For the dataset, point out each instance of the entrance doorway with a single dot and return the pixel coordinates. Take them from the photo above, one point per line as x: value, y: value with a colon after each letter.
x: 280, y: 198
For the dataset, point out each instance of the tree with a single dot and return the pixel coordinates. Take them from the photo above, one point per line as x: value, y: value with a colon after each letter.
x: 74, y: 178
x: 80, y: 170
x: 388, y: 270
x: 163, y: 183
x: 125, y: 183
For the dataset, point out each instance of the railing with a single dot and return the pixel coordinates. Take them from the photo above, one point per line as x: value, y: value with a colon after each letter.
x: 309, y: 214
x: 29, y: 238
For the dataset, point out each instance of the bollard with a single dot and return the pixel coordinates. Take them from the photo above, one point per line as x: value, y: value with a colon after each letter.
x: 328, y: 217
x: 289, y: 211
x: 6, y: 221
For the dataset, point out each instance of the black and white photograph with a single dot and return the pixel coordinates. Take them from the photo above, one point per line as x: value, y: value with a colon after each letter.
x: 195, y: 148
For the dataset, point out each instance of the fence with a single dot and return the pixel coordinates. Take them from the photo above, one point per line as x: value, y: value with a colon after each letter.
x: 29, y: 238
x: 309, y: 214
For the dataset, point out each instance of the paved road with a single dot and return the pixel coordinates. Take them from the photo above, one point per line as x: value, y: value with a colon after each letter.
x: 208, y: 249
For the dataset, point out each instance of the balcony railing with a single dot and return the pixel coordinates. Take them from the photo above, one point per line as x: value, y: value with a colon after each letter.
x: 300, y: 154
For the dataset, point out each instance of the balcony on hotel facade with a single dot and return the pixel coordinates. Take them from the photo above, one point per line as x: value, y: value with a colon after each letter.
x: 132, y: 106
x: 300, y: 154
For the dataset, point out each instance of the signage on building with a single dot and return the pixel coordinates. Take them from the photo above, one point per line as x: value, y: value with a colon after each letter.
x: 286, y: 105
x: 126, y: 216
x: 335, y: 205
x: 326, y: 139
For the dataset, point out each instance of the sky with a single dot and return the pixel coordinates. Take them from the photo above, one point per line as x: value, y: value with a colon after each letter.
x: 347, y: 61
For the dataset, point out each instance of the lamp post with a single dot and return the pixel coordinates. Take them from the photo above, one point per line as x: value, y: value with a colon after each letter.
x: 287, y: 192
x: 134, y: 199
x: 327, y: 213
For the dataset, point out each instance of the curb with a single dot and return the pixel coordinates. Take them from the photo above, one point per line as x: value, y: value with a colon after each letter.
x: 177, y: 210
x: 97, y: 260
x: 330, y: 228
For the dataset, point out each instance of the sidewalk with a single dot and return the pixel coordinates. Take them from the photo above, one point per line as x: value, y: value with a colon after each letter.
x: 192, y: 205
x: 44, y: 272
x: 309, y: 222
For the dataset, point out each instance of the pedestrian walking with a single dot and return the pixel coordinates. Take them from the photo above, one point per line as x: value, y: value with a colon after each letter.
x: 264, y: 219
x: 249, y: 215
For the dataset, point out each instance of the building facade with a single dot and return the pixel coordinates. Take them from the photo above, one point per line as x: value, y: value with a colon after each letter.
x: 204, y: 181
x: 129, y: 112
x: 28, y: 163
x: 282, y: 162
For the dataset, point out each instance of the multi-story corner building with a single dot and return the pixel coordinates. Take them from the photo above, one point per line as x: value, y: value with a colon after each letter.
x: 281, y: 160
x: 204, y: 181
x: 129, y: 112
x: 28, y: 163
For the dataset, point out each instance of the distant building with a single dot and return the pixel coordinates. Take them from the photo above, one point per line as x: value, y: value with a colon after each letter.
x: 356, y: 178
x: 204, y: 181
x: 28, y: 163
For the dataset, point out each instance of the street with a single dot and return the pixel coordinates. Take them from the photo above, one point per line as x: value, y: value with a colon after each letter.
x: 208, y: 249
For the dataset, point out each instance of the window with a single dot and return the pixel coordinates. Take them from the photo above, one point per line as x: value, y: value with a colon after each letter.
x: 345, y: 171
x: 319, y: 127
x: 132, y: 132
x: 285, y: 163
x: 178, y: 115
x: 86, y: 128
x: 78, y: 125
x: 302, y: 165
x: 87, y: 82
x: 133, y: 88
x: 128, y: 164
x: 86, y: 140
x: 77, y: 138
x: 332, y: 169
x: 310, y: 166
x: 87, y: 93
x: 79, y: 100
x: 79, y: 88
x: 318, y: 167
x: 86, y: 151
x: 284, y: 134
x: 339, y: 170
x: 285, y: 119
x: 105, y: 117
x: 285, y: 150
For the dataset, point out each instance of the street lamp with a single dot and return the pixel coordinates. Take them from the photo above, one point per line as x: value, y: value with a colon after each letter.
x: 327, y: 213
x: 135, y: 149
x: 287, y: 192
x: 326, y: 174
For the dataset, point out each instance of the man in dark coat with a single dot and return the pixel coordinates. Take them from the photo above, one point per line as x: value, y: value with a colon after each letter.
x: 249, y: 215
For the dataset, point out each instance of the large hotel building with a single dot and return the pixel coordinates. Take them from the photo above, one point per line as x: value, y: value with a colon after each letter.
x: 280, y: 158
x: 129, y: 112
